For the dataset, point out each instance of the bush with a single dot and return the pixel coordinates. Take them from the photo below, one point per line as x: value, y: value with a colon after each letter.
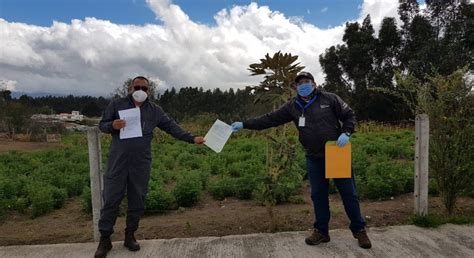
x: 204, y: 177
x: 74, y: 184
x: 281, y: 191
x: 434, y: 221
x: 159, y: 200
x: 296, y: 199
x: 433, y: 187
x: 59, y: 196
x: 41, y: 199
x: 245, y: 186
x: 220, y: 189
x: 378, y: 188
x: 188, y: 189
x: 449, y: 103
x: 8, y: 188
x: 86, y: 200
x: 21, y: 204
x: 386, y: 179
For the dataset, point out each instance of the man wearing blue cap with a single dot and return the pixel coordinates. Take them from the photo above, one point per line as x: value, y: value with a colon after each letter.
x: 319, y: 117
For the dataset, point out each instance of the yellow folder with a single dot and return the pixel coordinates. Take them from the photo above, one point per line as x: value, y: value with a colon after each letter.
x: 338, y: 160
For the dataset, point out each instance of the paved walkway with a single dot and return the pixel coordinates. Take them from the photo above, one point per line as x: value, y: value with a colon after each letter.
x: 400, y: 241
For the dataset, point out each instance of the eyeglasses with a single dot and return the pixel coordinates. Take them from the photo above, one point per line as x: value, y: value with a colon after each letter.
x: 143, y: 88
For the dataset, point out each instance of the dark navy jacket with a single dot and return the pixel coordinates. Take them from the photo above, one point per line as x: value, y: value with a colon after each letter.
x: 152, y: 116
x: 325, y: 120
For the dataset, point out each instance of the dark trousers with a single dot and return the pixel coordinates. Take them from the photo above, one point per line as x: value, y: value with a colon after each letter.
x: 320, y: 196
x: 126, y: 174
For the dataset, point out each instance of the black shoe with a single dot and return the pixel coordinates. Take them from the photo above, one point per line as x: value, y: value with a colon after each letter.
x: 363, y: 239
x: 316, y: 238
x: 104, y: 247
x: 131, y: 243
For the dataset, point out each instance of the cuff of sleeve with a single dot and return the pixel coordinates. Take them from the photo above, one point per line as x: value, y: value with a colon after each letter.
x: 113, y: 130
x: 190, y: 139
x: 348, y: 131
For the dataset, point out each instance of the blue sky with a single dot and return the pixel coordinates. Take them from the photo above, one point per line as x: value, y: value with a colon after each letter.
x: 322, y: 13
x: 92, y: 56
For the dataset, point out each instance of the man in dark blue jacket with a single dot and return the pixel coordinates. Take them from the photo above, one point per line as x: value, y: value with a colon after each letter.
x: 129, y: 163
x: 320, y: 117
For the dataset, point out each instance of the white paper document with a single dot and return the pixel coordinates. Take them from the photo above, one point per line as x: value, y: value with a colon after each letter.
x: 133, y: 126
x: 218, y: 135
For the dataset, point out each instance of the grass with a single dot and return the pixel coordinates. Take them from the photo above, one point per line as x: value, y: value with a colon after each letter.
x: 435, y: 220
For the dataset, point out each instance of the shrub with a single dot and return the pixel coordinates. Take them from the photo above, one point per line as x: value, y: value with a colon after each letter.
x: 433, y: 187
x: 21, y: 204
x: 159, y: 200
x: 245, y: 186
x: 378, y: 187
x: 222, y: 188
x: 187, y: 190
x: 41, y: 199
x: 74, y: 184
x: 203, y: 176
x: 389, y: 178
x: 8, y: 188
x: 280, y: 191
x: 216, y: 165
x: 449, y: 103
x: 235, y: 169
x: 296, y: 199
x: 428, y: 221
x: 59, y: 196
x: 86, y: 200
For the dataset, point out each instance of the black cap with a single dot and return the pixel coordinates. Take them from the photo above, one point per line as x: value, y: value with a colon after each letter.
x: 304, y: 75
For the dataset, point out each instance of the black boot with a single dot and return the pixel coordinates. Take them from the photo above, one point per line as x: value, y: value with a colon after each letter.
x: 104, y: 247
x: 130, y: 242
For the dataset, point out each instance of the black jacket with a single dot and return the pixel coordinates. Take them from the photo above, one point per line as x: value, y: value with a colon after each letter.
x: 325, y: 120
x: 151, y: 116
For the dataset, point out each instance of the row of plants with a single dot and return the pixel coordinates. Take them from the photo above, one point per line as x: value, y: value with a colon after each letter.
x: 41, y: 181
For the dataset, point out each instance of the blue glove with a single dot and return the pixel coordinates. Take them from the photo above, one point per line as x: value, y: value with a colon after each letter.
x: 342, y: 140
x: 236, y: 126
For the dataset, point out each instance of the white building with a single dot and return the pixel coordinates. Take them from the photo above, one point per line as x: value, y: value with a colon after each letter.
x: 74, y: 116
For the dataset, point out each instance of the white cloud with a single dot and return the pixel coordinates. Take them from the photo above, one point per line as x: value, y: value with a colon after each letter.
x: 95, y: 56
x: 6, y: 84
x: 325, y: 9
x: 378, y: 9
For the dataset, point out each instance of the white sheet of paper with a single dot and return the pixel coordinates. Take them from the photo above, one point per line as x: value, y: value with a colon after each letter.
x: 218, y: 135
x: 133, y: 126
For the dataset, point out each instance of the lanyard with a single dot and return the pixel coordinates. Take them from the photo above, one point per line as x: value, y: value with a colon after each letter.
x: 307, y: 104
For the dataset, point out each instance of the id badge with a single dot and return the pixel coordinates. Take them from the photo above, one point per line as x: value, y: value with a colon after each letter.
x: 302, y: 121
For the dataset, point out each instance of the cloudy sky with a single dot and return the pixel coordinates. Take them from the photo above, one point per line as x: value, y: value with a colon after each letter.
x: 90, y: 47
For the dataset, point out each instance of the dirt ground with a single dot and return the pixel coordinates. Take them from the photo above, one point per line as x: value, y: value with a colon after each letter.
x: 6, y: 146
x: 209, y: 218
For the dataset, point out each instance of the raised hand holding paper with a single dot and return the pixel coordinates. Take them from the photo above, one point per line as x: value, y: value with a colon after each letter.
x: 218, y: 135
x: 133, y: 127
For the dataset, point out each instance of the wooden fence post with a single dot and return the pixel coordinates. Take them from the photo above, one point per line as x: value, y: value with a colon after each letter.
x: 97, y: 184
x: 422, y: 130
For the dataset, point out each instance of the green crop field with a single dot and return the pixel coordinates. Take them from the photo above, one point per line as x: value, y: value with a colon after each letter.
x: 38, y: 182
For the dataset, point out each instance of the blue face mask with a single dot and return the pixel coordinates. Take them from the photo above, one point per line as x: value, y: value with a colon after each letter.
x: 305, y: 89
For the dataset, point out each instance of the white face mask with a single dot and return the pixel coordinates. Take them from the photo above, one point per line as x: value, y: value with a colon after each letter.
x: 139, y: 96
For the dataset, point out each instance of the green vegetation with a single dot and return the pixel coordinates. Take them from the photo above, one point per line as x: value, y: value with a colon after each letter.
x: 434, y: 221
x: 41, y: 181
x: 38, y: 182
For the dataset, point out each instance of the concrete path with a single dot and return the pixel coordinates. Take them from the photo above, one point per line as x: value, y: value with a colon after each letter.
x: 399, y: 241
